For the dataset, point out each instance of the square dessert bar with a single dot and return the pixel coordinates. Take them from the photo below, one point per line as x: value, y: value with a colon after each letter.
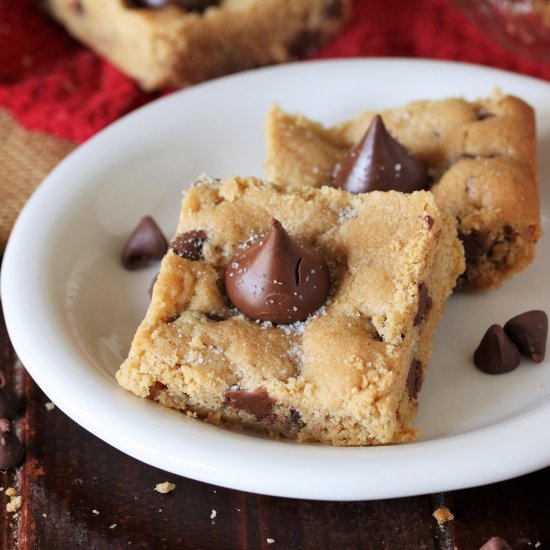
x: 481, y: 157
x: 181, y: 42
x: 347, y: 375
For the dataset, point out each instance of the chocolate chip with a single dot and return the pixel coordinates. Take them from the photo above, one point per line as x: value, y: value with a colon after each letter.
x: 11, y: 449
x: 473, y: 245
x: 146, y: 243
x: 305, y: 43
x: 189, y: 244
x: 77, y: 7
x: 334, y: 10
x: 295, y: 417
x: 414, y: 378
x: 155, y: 389
x: 10, y: 405
x: 496, y: 353
x: 429, y: 221
x: 529, y: 332
x: 424, y: 304
x: 496, y: 543
x: 215, y: 317
x: 509, y: 233
x: 278, y: 278
x: 483, y: 114
x: 379, y: 163
x: 257, y: 402
x: 188, y: 5
x: 294, y: 420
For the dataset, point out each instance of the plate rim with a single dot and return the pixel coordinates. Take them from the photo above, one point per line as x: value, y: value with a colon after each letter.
x: 210, y: 472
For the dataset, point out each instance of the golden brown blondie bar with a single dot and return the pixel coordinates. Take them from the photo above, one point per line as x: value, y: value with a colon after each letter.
x: 347, y: 374
x: 177, y: 43
x: 481, y: 157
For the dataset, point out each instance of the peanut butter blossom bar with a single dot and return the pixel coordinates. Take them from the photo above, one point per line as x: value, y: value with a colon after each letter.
x: 298, y: 312
x: 180, y: 42
x: 477, y: 158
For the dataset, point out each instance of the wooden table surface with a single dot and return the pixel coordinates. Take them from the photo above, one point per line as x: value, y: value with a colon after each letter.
x: 78, y: 492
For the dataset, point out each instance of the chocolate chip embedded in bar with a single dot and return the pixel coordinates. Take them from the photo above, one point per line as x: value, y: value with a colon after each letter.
x: 277, y: 278
x: 188, y: 5
x: 379, y: 163
x: 424, y: 304
x: 496, y: 353
x: 189, y: 244
x: 414, y: 379
x: 146, y: 243
x: 257, y: 403
x: 529, y: 332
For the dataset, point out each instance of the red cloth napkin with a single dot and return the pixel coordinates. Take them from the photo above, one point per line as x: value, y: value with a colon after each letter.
x: 51, y: 83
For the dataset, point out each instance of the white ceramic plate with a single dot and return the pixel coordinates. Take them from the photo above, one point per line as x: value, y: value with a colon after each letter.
x: 71, y: 309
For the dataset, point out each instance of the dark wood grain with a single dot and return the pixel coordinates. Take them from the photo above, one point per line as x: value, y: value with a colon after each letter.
x: 517, y: 510
x: 8, y: 360
x: 68, y: 473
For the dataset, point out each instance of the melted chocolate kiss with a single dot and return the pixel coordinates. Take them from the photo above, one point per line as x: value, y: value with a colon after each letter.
x: 379, y: 163
x: 496, y: 353
x: 277, y: 278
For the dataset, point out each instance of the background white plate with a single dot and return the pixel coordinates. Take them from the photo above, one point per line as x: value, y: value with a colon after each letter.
x: 71, y: 309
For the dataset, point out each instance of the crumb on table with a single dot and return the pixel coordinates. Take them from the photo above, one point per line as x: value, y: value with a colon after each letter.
x: 443, y: 515
x: 165, y: 487
x: 15, y: 500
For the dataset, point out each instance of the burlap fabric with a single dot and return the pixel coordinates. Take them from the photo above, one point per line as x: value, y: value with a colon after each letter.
x: 26, y: 158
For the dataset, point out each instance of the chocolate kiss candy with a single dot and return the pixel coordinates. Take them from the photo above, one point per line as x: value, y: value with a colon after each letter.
x: 145, y: 243
x: 496, y: 353
x: 11, y: 450
x: 277, y: 278
x: 529, y: 331
x: 379, y: 163
x: 185, y: 4
x: 496, y: 543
